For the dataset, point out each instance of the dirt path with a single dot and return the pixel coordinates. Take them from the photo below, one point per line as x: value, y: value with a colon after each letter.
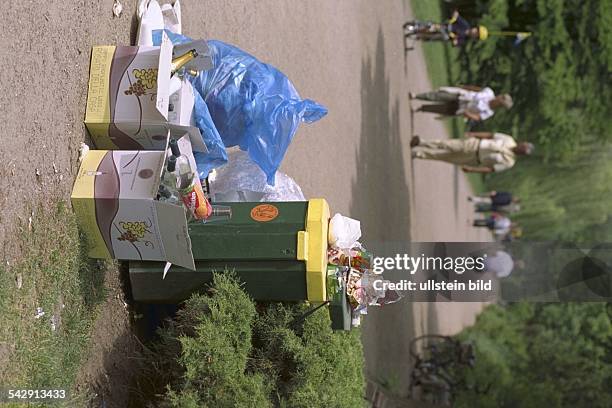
x: 345, y: 54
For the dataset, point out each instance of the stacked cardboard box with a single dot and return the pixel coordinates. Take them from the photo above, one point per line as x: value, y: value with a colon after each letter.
x: 127, y: 117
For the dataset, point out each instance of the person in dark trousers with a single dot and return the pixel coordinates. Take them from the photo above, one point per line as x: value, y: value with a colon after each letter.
x: 457, y: 30
x: 498, y: 224
x: 472, y: 102
x: 513, y: 207
x: 496, y: 198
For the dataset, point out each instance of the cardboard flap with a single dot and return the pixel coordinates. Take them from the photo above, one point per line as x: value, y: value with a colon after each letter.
x: 163, y: 76
x: 182, y: 103
x: 98, y: 103
x: 177, y: 244
x: 184, y: 145
x: 195, y: 137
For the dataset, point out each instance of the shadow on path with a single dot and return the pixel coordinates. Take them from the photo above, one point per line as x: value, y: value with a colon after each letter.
x: 381, y: 201
x: 380, y: 193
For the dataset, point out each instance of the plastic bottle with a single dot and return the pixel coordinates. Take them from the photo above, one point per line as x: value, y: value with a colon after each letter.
x: 189, y: 187
x: 167, y: 187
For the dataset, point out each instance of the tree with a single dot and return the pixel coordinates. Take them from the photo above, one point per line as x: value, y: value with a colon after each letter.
x: 559, y: 77
x: 534, y: 355
x: 560, y: 82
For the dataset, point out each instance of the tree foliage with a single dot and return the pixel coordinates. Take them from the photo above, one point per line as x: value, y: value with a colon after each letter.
x: 562, y: 200
x: 560, y: 80
x: 535, y: 355
x: 559, y: 77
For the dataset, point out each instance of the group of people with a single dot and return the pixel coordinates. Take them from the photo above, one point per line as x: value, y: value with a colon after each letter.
x: 477, y: 152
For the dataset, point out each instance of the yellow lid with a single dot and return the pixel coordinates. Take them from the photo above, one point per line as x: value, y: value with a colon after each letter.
x: 312, y: 248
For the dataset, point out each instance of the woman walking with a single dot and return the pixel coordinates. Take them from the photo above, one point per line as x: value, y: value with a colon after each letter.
x: 472, y: 102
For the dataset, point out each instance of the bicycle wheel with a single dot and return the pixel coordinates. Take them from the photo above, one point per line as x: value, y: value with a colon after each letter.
x: 436, y: 347
x: 435, y: 390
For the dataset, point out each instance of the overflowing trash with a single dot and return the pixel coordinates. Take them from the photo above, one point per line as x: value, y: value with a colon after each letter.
x: 186, y: 133
x: 351, y: 263
x: 241, y: 180
x: 252, y: 104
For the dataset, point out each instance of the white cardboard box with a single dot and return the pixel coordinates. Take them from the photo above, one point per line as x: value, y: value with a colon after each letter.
x: 127, y: 99
x: 114, y: 202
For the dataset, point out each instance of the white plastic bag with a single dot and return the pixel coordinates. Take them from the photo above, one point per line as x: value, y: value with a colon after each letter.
x: 242, y: 180
x: 344, y: 232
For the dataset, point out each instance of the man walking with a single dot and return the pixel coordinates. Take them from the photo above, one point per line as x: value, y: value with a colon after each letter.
x: 498, y: 224
x: 495, y: 198
x: 496, y: 201
x: 471, y: 102
x: 480, y: 152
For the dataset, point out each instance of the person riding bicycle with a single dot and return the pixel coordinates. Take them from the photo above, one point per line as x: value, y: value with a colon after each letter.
x: 457, y: 30
x: 460, y: 30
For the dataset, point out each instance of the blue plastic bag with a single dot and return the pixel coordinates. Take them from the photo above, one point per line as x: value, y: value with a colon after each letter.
x: 252, y: 104
x: 216, y: 156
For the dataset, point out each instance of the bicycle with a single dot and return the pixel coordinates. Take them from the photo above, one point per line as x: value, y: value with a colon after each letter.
x: 456, y: 31
x: 439, y: 361
x: 424, y: 31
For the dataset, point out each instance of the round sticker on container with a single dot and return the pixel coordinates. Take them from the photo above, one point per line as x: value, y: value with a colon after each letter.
x: 264, y: 212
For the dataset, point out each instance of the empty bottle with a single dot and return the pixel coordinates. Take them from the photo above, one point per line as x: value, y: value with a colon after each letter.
x: 189, y: 187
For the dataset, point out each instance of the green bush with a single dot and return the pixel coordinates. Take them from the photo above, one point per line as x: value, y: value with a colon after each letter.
x: 535, y: 355
x: 312, y: 366
x: 224, y: 351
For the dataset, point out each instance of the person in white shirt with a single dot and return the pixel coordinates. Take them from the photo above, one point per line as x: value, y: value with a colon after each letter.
x: 500, y: 225
x: 500, y: 263
x: 479, y: 152
x: 472, y: 102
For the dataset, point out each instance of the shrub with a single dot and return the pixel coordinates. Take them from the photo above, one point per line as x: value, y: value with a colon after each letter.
x: 223, y: 350
x: 544, y: 354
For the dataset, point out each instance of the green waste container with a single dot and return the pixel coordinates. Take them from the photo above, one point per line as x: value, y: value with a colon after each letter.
x: 279, y: 251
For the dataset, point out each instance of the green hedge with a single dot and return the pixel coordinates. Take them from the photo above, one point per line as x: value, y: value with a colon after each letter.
x: 223, y: 350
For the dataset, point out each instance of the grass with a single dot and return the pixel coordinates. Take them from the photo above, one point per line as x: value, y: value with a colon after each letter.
x: 55, y: 275
x: 443, y: 70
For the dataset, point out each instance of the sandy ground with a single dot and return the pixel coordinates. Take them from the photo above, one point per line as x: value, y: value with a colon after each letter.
x: 346, y: 54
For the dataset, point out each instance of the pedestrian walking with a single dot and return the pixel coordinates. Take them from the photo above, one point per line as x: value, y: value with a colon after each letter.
x: 499, y: 224
x: 472, y: 102
x: 480, y: 152
x: 499, y: 263
x: 499, y: 198
x: 513, y: 207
